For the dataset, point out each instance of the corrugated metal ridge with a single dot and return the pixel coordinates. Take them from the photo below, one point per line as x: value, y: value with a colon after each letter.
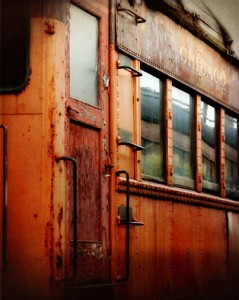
x: 175, y: 194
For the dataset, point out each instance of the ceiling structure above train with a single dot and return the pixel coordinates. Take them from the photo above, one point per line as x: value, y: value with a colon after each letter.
x: 213, y: 21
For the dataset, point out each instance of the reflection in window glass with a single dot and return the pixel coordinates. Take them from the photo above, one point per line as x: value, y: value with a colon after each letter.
x: 231, y: 154
x: 83, y: 56
x: 182, y: 141
x: 208, y: 121
x: 151, y: 125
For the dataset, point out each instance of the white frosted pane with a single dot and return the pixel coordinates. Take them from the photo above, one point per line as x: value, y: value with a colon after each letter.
x: 83, y: 56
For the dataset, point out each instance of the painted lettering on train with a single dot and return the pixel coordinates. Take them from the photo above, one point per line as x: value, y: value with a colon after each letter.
x: 202, y: 67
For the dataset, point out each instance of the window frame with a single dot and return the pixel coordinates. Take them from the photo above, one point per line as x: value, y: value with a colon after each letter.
x: 161, y: 80
x: 217, y: 189
x: 78, y: 110
x: 177, y: 180
x: 228, y: 192
x: 98, y: 18
x: 208, y: 187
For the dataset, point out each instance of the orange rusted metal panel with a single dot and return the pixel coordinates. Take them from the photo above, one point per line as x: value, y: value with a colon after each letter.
x: 233, y: 248
x: 198, y: 145
x: 113, y: 156
x: 85, y: 148
x: 222, y: 161
x: 136, y: 120
x: 180, y: 251
x: 31, y: 121
x: 88, y: 144
x: 3, y: 203
x: 168, y: 132
x: 126, y: 157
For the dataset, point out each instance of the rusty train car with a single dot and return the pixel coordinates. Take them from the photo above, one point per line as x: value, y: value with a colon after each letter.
x: 119, y: 151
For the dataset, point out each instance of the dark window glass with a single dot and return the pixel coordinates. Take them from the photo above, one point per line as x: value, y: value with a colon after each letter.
x: 151, y: 125
x: 208, y: 121
x: 14, y: 45
x: 231, y: 154
x: 182, y: 138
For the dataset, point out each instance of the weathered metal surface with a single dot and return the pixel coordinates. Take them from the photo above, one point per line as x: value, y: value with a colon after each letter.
x: 51, y: 9
x: 89, y: 262
x: 181, y: 251
x: 32, y: 209
x: 157, y: 191
x: 125, y: 119
x: 222, y: 161
x: 1, y: 208
x: 168, y: 132
x: 85, y: 145
x: 198, y: 148
x: 173, y: 50
x: 233, y: 248
x: 88, y: 144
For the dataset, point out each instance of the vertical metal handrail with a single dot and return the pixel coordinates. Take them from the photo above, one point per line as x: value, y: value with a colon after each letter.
x: 75, y: 216
x: 5, y: 200
x: 119, y: 172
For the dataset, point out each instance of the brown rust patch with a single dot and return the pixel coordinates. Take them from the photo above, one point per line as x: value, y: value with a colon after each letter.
x: 59, y: 261
x: 49, y: 231
x: 49, y: 238
x: 50, y: 27
x: 58, y: 244
x: 59, y: 218
x: 89, y: 260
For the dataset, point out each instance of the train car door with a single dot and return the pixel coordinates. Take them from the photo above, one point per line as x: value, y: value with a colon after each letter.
x: 88, y: 146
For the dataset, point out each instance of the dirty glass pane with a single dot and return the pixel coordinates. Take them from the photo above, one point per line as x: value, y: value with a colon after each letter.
x: 14, y: 46
x: 231, y: 153
x: 208, y: 121
x: 182, y: 138
x: 83, y: 56
x: 151, y: 125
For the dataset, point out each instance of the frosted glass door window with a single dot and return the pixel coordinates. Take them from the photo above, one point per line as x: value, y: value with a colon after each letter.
x: 83, y: 56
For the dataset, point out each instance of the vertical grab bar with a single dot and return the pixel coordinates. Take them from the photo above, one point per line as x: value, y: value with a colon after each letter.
x: 5, y: 201
x: 75, y: 197
x: 127, y: 225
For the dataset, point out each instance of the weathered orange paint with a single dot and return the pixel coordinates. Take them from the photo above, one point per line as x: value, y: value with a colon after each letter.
x: 198, y: 144
x: 188, y: 245
x: 88, y: 143
x: 32, y: 128
x: 222, y: 162
x: 168, y: 132
x: 113, y: 158
x: 180, y: 251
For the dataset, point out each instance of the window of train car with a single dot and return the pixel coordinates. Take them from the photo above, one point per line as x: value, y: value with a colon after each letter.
x: 182, y: 138
x: 151, y: 90
x: 209, y: 147
x: 14, y: 46
x: 231, y: 155
x: 83, y: 56
x: 153, y: 133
